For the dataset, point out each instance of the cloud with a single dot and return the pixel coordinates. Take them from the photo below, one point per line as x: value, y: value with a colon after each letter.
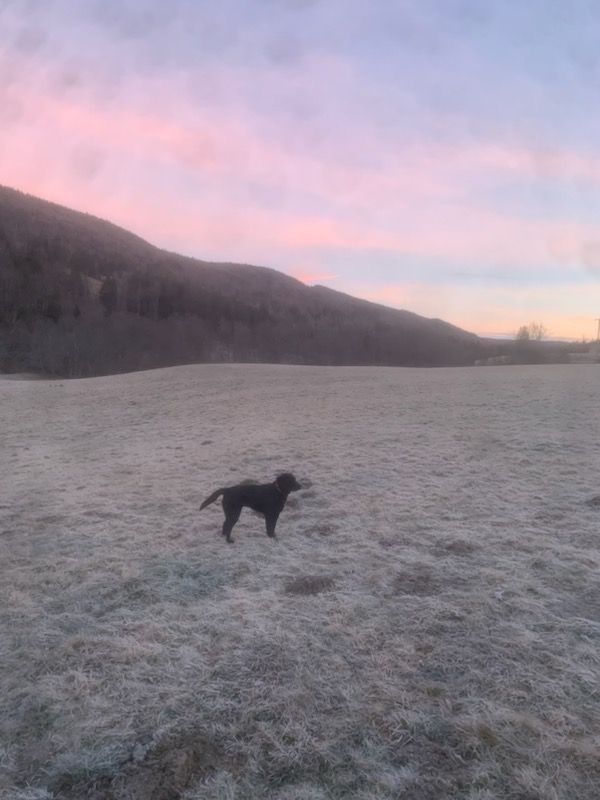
x: 221, y: 182
x: 277, y: 144
x: 241, y: 185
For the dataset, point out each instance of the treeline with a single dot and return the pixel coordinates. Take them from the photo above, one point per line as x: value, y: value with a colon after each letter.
x: 80, y: 297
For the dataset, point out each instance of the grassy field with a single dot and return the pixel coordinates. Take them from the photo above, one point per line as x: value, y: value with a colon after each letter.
x: 426, y: 626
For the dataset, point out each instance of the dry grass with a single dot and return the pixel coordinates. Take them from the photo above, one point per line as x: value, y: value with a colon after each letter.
x: 309, y: 584
x: 426, y: 626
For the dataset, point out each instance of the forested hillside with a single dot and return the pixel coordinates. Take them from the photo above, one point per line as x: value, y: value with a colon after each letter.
x: 80, y: 296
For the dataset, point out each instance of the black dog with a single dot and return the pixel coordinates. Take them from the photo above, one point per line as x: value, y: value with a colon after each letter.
x: 266, y: 498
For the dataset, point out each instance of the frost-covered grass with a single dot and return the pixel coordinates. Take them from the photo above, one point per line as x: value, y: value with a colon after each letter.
x: 426, y: 626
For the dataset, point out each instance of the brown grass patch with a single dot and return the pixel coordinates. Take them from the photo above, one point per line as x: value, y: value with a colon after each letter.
x: 456, y: 547
x: 163, y: 772
x: 309, y: 584
x: 420, y: 581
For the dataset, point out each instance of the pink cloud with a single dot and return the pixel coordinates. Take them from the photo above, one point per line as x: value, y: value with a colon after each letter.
x: 411, y: 199
x: 220, y: 183
x: 108, y: 160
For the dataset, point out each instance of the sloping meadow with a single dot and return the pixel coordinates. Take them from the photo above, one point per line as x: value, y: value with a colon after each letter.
x: 426, y: 624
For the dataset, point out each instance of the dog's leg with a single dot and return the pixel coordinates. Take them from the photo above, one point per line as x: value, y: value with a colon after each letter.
x: 232, y: 514
x: 271, y: 521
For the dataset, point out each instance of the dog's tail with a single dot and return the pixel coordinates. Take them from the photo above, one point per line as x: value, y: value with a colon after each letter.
x: 212, y: 498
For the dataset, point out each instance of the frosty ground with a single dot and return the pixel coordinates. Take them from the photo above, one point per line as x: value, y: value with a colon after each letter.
x: 427, y: 624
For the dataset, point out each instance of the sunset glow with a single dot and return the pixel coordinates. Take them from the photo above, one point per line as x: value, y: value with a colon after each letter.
x: 439, y: 157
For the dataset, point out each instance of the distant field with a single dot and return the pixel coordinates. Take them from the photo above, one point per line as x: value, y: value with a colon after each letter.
x: 426, y: 626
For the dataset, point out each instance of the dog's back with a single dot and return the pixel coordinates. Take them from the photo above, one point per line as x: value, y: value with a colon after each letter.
x: 244, y: 494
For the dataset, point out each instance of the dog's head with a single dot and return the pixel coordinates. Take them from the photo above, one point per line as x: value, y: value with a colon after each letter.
x: 286, y: 483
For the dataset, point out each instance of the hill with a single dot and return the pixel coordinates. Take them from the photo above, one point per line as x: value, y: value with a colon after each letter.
x: 81, y: 296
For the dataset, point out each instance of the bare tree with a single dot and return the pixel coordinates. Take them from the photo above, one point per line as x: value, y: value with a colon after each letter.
x: 537, y: 331
x: 534, y: 332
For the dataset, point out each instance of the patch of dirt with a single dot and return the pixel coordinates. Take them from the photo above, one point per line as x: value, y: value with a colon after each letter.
x: 456, y: 547
x: 325, y: 529
x: 309, y: 584
x: 162, y: 773
x: 419, y: 581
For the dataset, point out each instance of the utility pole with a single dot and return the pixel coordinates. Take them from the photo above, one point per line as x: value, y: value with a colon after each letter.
x: 598, y: 334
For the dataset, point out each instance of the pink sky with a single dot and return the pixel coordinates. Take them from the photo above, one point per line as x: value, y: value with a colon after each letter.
x: 486, y: 230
